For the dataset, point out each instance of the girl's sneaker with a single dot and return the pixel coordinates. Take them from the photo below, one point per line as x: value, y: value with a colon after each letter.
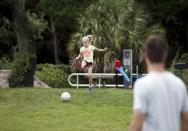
x: 90, y: 90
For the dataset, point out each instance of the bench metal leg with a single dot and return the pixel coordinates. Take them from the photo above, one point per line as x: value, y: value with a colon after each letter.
x: 99, y: 83
x: 77, y: 81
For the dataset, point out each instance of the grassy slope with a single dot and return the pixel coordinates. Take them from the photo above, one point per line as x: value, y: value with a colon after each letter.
x: 42, y: 110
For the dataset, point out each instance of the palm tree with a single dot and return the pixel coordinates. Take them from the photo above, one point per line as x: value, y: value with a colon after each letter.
x: 117, y: 28
x: 136, y: 28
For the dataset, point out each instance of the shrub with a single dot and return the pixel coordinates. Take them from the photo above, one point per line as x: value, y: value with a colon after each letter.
x: 19, y: 68
x: 53, y: 75
x: 4, y: 64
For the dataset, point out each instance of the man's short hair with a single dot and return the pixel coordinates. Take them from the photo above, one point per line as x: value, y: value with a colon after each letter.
x: 156, y: 49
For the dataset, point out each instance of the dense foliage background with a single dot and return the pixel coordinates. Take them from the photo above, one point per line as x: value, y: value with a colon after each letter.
x: 51, y: 30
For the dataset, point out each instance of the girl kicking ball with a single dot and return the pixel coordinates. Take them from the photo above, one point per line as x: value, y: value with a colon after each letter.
x: 86, y: 51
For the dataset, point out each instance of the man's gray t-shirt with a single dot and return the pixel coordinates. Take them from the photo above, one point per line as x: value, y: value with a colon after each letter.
x: 161, y: 97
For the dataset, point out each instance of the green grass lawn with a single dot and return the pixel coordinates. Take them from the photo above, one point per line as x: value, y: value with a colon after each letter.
x: 41, y: 110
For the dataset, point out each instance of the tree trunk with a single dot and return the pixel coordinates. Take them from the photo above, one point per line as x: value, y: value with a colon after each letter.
x: 25, y: 43
x: 56, y: 57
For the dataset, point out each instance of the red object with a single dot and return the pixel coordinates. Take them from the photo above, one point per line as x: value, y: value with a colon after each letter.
x: 117, y: 64
x: 76, y: 64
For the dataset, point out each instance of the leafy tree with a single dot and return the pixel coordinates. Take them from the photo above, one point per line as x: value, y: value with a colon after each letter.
x: 24, y: 26
x: 7, y: 38
x: 116, y: 26
x: 61, y: 15
x: 173, y: 16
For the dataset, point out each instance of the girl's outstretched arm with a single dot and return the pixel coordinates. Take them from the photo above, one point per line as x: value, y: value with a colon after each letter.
x: 101, y: 50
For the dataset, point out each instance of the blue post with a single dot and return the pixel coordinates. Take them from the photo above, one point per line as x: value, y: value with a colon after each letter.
x: 124, y: 74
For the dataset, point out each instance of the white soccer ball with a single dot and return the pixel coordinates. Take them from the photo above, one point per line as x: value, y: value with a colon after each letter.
x: 65, y: 96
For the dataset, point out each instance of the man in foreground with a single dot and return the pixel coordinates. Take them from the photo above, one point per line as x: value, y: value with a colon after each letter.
x: 160, y: 98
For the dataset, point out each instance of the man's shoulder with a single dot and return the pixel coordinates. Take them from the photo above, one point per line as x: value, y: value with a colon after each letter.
x: 150, y: 77
x: 149, y: 80
x: 175, y: 79
x: 142, y: 86
x: 142, y: 82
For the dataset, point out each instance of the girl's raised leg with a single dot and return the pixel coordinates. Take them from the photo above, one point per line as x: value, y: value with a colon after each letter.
x: 90, y: 69
x: 83, y: 64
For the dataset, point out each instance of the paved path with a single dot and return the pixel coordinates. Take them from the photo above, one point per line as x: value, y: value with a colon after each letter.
x: 4, y: 80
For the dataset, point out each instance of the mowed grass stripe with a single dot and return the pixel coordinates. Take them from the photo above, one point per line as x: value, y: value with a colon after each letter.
x: 28, y: 109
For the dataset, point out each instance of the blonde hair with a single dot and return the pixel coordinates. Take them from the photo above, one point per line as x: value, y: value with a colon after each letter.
x: 88, y: 38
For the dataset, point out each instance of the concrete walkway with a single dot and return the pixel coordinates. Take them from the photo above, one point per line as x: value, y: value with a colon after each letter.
x: 4, y: 80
